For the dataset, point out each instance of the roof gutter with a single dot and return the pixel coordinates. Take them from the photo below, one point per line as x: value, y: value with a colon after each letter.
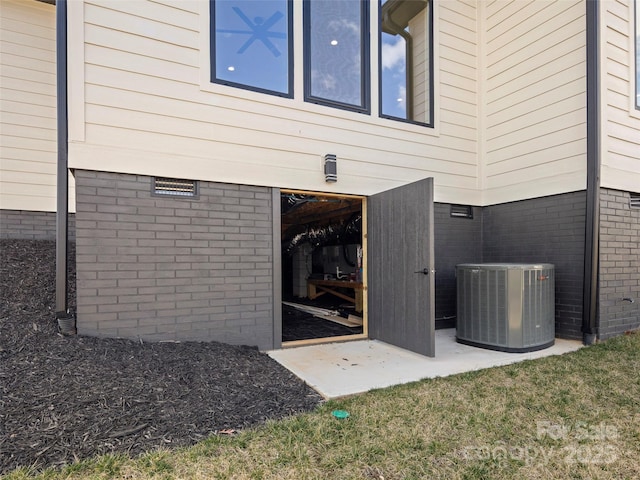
x: 590, y: 320
x: 66, y: 322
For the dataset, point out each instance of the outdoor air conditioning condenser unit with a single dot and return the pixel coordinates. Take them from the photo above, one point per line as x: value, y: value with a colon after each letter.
x: 506, y: 306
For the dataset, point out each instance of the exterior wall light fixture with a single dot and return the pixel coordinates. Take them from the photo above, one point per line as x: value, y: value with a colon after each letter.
x: 330, y: 168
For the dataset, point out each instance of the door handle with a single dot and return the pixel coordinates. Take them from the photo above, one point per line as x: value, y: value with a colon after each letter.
x: 424, y: 271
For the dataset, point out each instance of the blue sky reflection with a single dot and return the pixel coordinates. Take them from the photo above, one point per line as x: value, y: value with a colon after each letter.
x: 252, y: 44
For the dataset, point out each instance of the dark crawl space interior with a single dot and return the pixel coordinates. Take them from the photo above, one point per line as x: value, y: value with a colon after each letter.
x: 322, y: 266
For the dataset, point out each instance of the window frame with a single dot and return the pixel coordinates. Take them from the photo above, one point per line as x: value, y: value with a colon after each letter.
x: 365, y: 62
x: 229, y: 83
x: 431, y: 92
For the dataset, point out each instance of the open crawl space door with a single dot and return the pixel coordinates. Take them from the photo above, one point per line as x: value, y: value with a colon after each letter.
x: 401, y: 283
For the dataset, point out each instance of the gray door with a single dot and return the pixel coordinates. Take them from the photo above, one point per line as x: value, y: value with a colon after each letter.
x: 400, y: 272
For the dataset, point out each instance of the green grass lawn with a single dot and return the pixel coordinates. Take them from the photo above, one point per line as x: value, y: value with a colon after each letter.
x: 569, y: 417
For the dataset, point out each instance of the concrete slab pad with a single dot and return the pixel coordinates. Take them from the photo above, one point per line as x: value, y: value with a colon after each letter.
x: 339, y: 369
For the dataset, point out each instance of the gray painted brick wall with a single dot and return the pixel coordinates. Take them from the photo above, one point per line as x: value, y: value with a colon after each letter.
x: 171, y: 268
x: 548, y: 229
x: 30, y: 225
x: 619, y: 272
x: 457, y: 240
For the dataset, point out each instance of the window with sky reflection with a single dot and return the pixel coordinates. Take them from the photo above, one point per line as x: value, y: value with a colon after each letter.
x: 252, y: 48
x: 405, y: 49
x: 252, y: 44
x: 336, y: 54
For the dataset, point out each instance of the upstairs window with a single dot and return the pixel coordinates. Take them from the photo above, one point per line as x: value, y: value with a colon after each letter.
x: 406, y: 60
x: 252, y: 43
x: 336, y: 60
x: 252, y: 48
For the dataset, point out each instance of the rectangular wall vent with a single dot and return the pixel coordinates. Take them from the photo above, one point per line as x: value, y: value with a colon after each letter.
x: 175, y: 187
x: 462, y: 211
x: 634, y: 200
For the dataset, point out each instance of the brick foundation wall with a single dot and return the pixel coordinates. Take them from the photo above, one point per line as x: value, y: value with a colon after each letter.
x: 457, y: 240
x: 549, y: 229
x: 171, y: 268
x: 29, y: 225
x: 619, y: 270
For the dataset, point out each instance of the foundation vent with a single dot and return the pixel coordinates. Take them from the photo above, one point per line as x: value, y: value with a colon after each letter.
x: 462, y: 211
x: 634, y: 200
x: 175, y: 187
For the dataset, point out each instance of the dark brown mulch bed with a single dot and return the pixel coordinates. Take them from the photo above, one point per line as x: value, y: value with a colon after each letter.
x: 68, y: 398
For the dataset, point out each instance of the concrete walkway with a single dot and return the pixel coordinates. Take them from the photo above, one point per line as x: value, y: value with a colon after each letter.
x: 339, y: 369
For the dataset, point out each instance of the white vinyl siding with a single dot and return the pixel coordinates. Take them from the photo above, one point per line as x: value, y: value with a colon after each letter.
x: 535, y: 108
x: 147, y: 111
x: 621, y: 120
x: 28, y: 106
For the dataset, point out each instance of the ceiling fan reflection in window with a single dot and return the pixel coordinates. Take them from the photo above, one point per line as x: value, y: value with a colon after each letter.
x: 259, y: 30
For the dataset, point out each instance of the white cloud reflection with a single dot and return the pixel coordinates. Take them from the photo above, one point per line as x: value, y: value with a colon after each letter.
x: 343, y: 25
x: 324, y: 81
x: 393, y: 55
x: 402, y: 98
